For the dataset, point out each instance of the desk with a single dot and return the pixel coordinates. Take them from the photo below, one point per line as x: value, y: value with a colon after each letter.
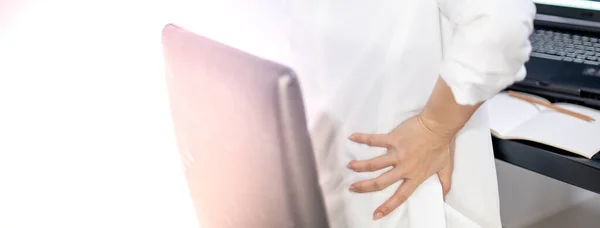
x: 574, y: 170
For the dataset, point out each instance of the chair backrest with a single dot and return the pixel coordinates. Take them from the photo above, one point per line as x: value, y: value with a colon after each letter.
x: 241, y: 130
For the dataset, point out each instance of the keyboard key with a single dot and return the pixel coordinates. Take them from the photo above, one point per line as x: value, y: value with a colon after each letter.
x: 546, y: 56
x: 578, y: 60
x: 570, y: 55
x: 592, y: 58
x: 588, y: 53
x: 581, y: 57
x: 592, y: 63
x: 567, y: 59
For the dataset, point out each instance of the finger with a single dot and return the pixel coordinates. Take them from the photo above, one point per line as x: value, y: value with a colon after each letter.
x: 405, y: 190
x: 377, y: 184
x: 372, y: 164
x: 376, y: 140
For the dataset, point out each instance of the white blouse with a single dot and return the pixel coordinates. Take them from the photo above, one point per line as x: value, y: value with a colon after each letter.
x: 489, y: 46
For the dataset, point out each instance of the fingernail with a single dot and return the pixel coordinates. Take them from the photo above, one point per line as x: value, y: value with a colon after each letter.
x: 352, y: 137
x: 378, y: 216
x: 349, y: 166
x: 352, y: 188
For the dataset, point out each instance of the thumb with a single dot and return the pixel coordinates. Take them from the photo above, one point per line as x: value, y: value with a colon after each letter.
x: 445, y: 174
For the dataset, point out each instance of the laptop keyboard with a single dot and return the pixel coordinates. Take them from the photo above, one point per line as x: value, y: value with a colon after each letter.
x: 565, y: 47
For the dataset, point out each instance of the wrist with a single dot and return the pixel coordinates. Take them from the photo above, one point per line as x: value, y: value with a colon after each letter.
x: 441, y: 128
x: 442, y: 114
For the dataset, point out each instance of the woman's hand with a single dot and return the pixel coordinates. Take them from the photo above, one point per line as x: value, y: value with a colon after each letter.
x: 415, y: 151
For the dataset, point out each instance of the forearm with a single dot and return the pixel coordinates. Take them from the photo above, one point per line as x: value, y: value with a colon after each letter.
x: 442, y: 114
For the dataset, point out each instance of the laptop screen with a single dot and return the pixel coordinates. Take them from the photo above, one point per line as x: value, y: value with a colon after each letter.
x: 578, y: 4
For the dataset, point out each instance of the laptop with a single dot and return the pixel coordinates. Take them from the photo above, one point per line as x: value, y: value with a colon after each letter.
x: 565, y: 59
x: 241, y: 130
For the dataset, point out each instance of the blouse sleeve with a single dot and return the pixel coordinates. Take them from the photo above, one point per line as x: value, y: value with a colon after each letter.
x: 489, y: 46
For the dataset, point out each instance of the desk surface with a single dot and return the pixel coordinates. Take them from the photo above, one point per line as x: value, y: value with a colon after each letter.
x: 550, y: 162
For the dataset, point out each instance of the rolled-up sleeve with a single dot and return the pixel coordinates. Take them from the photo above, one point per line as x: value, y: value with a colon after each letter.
x: 488, y: 48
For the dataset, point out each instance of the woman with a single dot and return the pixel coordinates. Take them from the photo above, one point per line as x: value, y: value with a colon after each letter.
x: 389, y: 86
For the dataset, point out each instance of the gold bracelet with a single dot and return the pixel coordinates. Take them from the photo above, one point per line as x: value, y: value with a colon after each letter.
x: 422, y: 122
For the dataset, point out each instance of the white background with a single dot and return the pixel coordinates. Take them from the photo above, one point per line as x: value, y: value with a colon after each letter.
x: 86, y: 138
